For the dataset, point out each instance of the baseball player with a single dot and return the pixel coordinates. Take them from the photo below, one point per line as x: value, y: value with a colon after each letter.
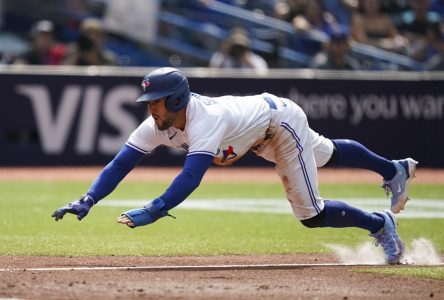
x: 221, y: 130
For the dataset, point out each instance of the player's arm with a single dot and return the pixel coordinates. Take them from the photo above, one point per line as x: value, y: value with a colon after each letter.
x: 104, y: 184
x: 202, y: 141
x: 183, y: 185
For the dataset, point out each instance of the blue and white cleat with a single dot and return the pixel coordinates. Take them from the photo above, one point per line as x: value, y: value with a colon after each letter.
x: 397, y: 186
x: 389, y: 239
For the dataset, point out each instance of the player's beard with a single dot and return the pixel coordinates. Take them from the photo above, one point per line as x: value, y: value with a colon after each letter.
x: 168, y: 122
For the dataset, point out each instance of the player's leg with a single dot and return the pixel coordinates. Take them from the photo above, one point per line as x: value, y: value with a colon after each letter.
x: 351, y: 154
x: 297, y: 169
x: 381, y: 225
x: 299, y: 177
x: 300, y: 181
x: 348, y: 153
x: 298, y: 172
x: 396, y: 174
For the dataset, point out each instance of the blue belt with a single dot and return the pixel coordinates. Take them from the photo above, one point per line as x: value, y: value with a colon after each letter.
x: 270, y: 102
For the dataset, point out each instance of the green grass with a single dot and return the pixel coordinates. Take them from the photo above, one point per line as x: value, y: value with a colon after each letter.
x: 28, y: 229
x: 421, y: 272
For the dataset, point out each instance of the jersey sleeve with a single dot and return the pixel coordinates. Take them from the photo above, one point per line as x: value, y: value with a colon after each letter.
x: 187, y: 181
x: 146, y: 138
x: 114, y: 172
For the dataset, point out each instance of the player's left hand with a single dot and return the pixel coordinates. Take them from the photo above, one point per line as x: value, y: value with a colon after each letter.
x: 80, y: 208
x: 123, y: 219
x: 143, y: 216
x: 137, y: 217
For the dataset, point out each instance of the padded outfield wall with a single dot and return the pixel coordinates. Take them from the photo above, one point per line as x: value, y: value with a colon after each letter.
x: 82, y: 116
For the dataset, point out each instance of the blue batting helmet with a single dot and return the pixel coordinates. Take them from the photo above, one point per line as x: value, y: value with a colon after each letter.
x: 169, y: 83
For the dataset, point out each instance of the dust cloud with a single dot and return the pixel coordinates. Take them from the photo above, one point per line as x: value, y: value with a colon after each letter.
x: 420, y: 252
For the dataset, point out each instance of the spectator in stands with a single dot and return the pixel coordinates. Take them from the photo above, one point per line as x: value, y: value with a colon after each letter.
x: 416, y: 22
x: 438, y: 7
x: 420, y: 26
x: 264, y: 7
x: 394, y: 8
x: 373, y: 27
x: 236, y: 53
x: 337, y: 52
x: 44, y: 49
x: 287, y: 10
x: 431, y: 51
x: 314, y: 16
x: 312, y: 26
x: 341, y: 10
x: 89, y: 48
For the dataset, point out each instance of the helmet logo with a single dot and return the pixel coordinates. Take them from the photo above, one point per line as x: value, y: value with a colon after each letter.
x: 145, y: 83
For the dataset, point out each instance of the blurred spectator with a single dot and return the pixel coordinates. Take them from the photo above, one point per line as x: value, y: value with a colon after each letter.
x: 421, y: 27
x: 287, y: 10
x: 264, y: 7
x: 312, y: 26
x: 89, y: 48
x: 416, y: 22
x: 337, y: 53
x: 394, y: 8
x: 44, y: 49
x: 438, y: 7
x: 236, y: 53
x: 373, y: 27
x: 314, y: 16
x: 431, y: 50
x: 341, y: 10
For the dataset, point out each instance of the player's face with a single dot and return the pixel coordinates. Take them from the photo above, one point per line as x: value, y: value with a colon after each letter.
x: 163, y: 118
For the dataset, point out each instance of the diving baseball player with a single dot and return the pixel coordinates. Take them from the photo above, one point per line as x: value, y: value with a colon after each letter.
x: 221, y: 130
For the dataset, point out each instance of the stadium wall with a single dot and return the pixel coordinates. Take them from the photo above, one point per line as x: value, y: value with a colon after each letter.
x: 82, y: 116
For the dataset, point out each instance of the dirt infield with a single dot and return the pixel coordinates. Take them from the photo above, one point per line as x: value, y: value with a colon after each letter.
x: 310, y: 281
x: 303, y: 282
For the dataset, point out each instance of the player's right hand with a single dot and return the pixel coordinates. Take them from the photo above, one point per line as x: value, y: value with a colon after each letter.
x: 80, y: 208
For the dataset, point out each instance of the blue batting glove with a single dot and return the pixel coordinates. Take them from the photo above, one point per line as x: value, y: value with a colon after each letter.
x: 80, y: 208
x: 144, y: 216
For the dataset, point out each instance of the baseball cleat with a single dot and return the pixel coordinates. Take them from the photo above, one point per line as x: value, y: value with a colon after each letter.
x: 389, y: 239
x: 397, y: 186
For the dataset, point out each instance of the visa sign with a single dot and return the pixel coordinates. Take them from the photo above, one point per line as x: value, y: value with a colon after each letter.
x: 55, y: 118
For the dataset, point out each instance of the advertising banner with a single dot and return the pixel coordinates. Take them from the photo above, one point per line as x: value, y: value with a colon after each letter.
x: 49, y: 120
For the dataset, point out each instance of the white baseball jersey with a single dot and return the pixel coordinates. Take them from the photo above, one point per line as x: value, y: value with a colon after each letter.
x: 224, y: 127
x: 227, y: 127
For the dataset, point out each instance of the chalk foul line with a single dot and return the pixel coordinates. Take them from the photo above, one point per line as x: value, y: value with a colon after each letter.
x: 205, y: 267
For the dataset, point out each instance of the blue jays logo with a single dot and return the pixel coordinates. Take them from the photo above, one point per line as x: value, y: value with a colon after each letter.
x: 145, y: 83
x: 228, y: 153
